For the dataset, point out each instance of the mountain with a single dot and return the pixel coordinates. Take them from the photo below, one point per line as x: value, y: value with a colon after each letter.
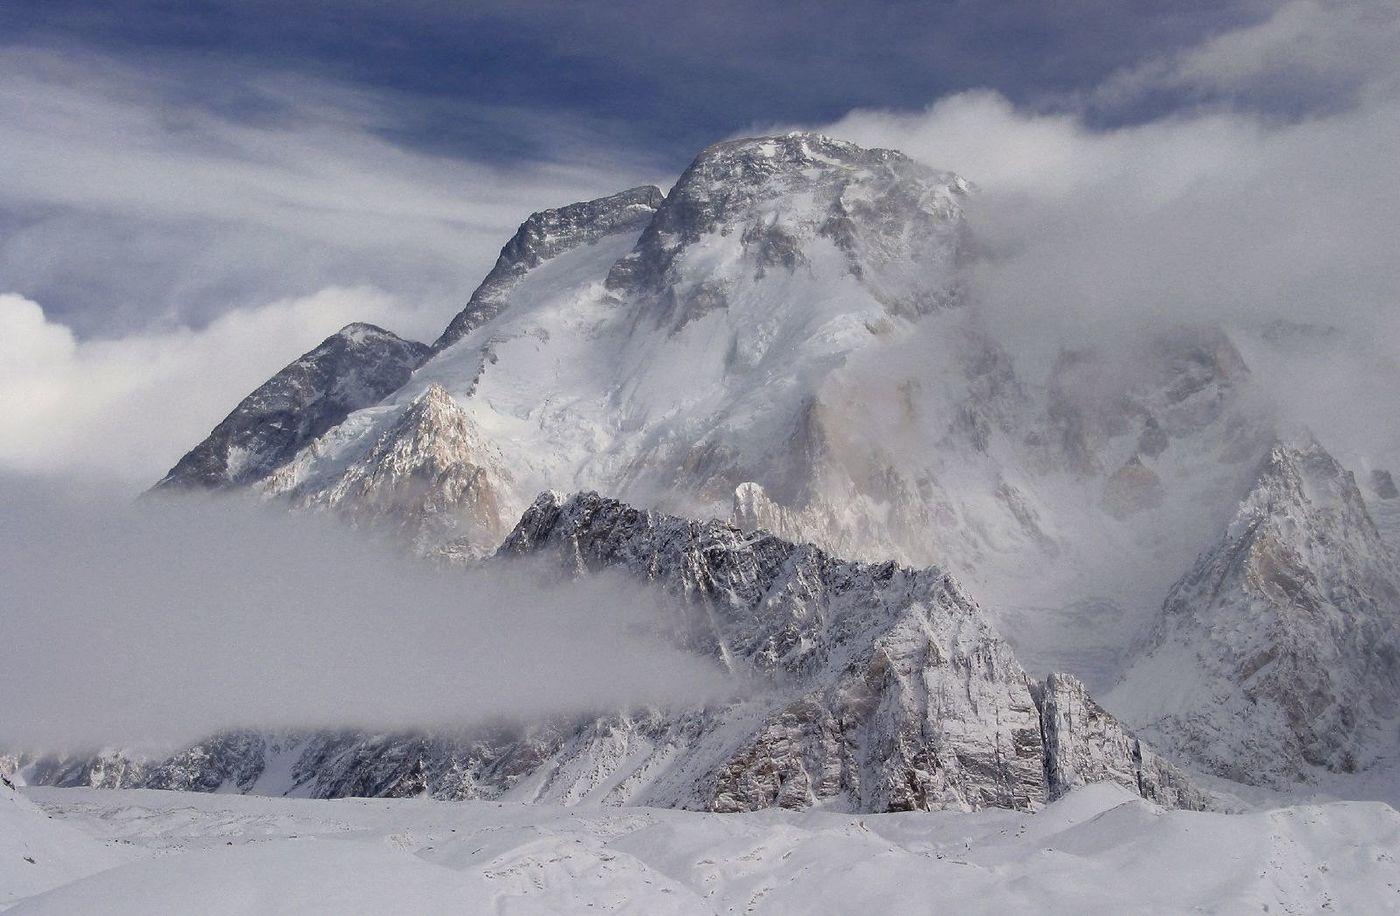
x: 1279, y: 652
x: 353, y: 368
x: 543, y: 237
x: 864, y: 687
x: 427, y: 473
x: 787, y: 339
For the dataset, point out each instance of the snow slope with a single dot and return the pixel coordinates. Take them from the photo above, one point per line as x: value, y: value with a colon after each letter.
x: 1099, y: 849
x: 38, y: 852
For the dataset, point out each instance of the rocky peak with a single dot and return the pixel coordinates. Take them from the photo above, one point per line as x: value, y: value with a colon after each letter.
x: 1283, y: 642
x: 430, y: 476
x: 545, y: 235
x: 355, y: 367
x: 907, y: 696
x: 777, y: 195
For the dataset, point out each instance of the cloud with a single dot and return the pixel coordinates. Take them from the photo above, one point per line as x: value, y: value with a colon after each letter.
x: 125, y: 409
x: 1310, y: 55
x: 164, y: 621
x: 136, y: 196
x: 1217, y: 215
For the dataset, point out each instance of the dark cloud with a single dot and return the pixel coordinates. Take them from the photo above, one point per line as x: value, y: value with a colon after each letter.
x: 663, y: 74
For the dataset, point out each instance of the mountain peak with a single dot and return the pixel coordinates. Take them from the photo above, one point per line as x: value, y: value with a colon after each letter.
x: 786, y: 201
x: 358, y: 332
x: 546, y: 234
x: 353, y: 368
x: 1288, y: 624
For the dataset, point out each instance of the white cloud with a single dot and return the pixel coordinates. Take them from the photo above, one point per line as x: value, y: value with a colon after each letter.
x: 1308, y: 53
x: 145, y: 205
x: 127, y: 408
x: 1214, y: 215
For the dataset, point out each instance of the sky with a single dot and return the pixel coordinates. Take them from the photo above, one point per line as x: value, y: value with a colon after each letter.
x: 193, y: 194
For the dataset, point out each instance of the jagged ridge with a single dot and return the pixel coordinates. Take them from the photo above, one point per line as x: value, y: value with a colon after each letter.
x: 883, y: 688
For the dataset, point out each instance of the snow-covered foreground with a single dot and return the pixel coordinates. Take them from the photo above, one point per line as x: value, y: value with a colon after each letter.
x: 1099, y: 849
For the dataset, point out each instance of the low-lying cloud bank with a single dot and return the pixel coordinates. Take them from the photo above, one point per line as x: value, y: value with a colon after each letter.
x: 163, y: 621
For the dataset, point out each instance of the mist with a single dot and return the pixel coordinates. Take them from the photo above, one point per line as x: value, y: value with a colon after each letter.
x: 159, y: 622
x: 1269, y: 224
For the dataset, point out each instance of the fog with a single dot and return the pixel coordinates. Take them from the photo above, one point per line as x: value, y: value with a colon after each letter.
x: 1223, y: 213
x: 159, y: 622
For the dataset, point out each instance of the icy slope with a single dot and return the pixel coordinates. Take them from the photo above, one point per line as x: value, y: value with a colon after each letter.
x: 544, y: 236
x: 1098, y: 850
x: 38, y: 852
x: 1280, y: 650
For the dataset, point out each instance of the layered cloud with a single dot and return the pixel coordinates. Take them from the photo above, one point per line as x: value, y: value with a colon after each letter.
x: 159, y: 623
x: 137, y: 196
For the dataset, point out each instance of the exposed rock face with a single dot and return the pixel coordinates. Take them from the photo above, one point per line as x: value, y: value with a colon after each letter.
x: 353, y: 368
x: 430, y: 476
x: 106, y: 769
x: 1383, y: 484
x: 545, y: 235
x: 1084, y: 744
x: 869, y: 687
x: 1280, y: 650
x: 924, y: 706
x: 880, y: 208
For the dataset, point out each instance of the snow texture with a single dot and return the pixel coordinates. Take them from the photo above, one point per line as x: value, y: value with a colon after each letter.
x: 1098, y: 849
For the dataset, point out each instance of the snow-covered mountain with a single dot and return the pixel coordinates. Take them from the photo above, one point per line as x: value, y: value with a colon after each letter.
x: 353, y: 368
x: 1280, y: 650
x: 864, y: 687
x: 787, y: 340
x: 784, y: 339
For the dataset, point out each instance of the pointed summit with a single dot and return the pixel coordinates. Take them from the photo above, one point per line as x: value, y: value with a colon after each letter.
x: 353, y: 368
x: 1280, y: 650
x: 546, y: 235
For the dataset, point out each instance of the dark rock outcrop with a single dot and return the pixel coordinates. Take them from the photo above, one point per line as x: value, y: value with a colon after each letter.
x: 355, y: 367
